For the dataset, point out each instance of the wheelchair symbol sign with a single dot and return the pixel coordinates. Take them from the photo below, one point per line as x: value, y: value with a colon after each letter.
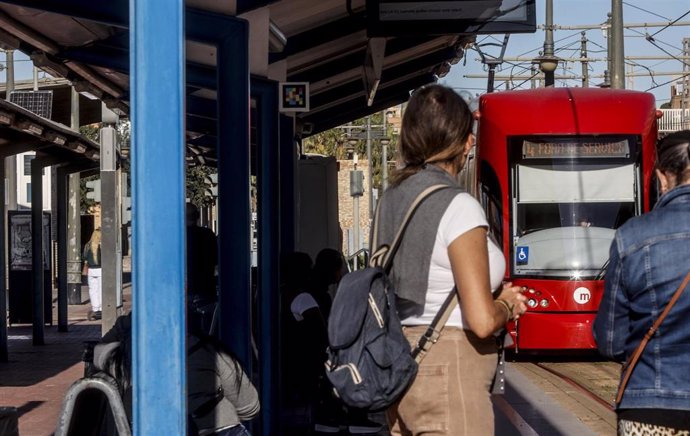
x: 522, y: 255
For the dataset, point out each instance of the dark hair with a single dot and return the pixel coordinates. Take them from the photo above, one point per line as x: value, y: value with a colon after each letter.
x: 435, y: 127
x: 673, y: 155
x: 329, y: 263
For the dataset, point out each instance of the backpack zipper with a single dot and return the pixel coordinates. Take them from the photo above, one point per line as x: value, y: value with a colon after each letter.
x: 354, y: 373
x: 375, y: 309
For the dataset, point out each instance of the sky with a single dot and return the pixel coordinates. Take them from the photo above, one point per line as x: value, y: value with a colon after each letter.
x: 567, y: 45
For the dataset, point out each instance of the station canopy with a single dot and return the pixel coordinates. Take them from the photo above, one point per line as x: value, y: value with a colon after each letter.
x: 325, y: 43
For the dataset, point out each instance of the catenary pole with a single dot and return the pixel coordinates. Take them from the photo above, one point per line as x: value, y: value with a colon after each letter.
x: 617, y: 44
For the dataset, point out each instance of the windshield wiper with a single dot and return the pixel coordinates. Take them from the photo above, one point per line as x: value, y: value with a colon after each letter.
x: 602, y: 272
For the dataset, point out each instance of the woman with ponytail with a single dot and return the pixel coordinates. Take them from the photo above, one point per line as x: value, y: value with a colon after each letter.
x: 445, y: 249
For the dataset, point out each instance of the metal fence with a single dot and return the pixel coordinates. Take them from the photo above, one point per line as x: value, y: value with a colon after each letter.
x: 674, y: 120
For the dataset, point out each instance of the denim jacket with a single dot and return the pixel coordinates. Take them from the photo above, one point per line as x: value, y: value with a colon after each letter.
x: 649, y: 257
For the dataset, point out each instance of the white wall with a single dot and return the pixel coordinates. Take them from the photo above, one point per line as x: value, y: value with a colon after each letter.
x: 24, y: 183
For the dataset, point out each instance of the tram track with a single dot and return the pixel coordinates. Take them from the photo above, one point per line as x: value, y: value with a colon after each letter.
x: 577, y: 385
x: 584, y: 386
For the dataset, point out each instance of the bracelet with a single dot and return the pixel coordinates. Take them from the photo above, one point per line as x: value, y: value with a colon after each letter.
x: 507, y: 307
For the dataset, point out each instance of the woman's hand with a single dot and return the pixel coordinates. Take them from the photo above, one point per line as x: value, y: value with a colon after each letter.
x: 514, y: 300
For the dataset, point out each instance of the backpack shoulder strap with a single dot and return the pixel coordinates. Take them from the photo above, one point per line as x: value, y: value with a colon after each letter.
x: 433, y: 332
x: 383, y: 256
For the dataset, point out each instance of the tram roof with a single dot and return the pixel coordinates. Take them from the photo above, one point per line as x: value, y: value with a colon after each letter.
x: 567, y: 110
x: 87, y: 42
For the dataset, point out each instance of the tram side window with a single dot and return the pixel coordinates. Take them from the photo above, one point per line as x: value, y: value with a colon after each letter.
x: 491, y: 202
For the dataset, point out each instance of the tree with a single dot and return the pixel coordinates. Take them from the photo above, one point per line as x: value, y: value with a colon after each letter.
x: 334, y: 142
x: 199, y: 184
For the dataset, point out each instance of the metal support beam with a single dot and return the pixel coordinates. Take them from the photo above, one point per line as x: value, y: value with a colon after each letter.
x: 288, y: 160
x: 61, y: 223
x: 234, y: 212
x: 111, y: 252
x: 37, y: 269
x: 37, y: 251
x: 266, y: 95
x: 65, y: 244
x: 3, y: 274
x: 230, y: 35
x: 73, y: 248
x: 617, y: 45
x: 548, y: 44
x: 158, y: 309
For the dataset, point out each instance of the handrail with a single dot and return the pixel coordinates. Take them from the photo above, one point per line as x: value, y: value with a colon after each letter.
x: 108, y: 386
x: 353, y: 259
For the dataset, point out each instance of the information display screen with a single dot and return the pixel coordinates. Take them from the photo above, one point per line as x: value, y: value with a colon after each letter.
x: 575, y: 149
x: 394, y: 17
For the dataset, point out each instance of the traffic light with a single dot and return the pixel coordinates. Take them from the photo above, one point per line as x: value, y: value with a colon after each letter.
x: 126, y: 210
x: 94, y: 190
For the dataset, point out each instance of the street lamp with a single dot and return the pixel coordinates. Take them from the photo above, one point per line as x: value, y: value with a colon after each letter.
x: 547, y: 61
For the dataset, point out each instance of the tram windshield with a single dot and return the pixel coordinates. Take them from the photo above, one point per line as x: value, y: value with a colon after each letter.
x: 569, y: 197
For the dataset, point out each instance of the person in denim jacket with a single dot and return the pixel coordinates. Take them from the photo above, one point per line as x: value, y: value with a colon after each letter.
x: 649, y: 258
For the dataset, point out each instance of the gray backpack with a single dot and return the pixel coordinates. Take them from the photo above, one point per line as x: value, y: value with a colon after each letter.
x: 370, y: 362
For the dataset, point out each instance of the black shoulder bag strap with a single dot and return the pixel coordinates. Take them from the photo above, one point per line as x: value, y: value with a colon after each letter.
x: 383, y: 256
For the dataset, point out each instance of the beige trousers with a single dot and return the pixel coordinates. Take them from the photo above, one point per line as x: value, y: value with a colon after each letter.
x: 450, y: 395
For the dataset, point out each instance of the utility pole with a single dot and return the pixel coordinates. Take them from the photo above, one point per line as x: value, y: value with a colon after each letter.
x: 617, y: 44
x: 356, y: 191
x: 74, y: 218
x: 609, y: 52
x: 533, y: 77
x: 548, y: 63
x: 11, y: 161
x: 548, y: 41
x: 111, y: 252
x: 583, y: 56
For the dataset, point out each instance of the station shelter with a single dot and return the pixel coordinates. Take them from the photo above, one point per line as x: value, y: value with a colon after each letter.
x: 235, y: 85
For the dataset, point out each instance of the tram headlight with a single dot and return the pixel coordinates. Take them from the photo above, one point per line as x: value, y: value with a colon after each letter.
x: 544, y: 303
x: 532, y: 303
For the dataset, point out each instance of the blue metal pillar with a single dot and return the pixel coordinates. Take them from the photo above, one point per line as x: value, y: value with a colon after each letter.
x: 234, y: 212
x: 157, y: 54
x: 288, y: 160
x: 265, y: 93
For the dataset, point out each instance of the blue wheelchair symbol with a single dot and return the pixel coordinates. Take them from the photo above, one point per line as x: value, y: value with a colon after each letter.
x: 522, y: 255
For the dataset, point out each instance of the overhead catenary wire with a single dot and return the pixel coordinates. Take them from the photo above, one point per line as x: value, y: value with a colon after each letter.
x: 667, y: 82
x: 647, y: 11
x: 671, y: 23
x: 567, y: 49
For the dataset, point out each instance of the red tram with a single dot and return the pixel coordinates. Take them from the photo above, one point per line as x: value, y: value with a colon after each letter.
x: 558, y: 170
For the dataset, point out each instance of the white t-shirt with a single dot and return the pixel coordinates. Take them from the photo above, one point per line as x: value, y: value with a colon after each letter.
x: 463, y: 214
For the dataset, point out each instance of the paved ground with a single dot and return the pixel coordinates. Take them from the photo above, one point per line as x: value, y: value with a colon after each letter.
x: 36, y: 377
